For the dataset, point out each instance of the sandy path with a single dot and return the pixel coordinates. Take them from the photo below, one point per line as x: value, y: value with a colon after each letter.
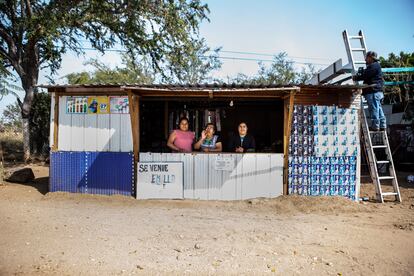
x: 72, y: 234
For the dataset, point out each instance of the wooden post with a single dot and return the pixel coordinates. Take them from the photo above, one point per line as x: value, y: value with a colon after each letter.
x: 56, y: 123
x: 166, y: 120
x: 134, y: 114
x: 288, y: 114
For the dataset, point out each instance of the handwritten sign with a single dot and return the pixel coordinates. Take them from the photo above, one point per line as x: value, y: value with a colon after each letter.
x: 224, y: 163
x: 160, y: 180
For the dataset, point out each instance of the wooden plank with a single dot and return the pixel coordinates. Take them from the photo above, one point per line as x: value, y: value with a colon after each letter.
x: 137, y: 123
x: 166, y: 134
x: 134, y: 114
x: 286, y: 142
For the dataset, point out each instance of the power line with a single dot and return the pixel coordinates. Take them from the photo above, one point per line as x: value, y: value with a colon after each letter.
x: 220, y: 57
x: 270, y: 55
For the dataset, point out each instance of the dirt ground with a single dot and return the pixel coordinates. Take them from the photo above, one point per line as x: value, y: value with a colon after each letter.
x: 74, y: 234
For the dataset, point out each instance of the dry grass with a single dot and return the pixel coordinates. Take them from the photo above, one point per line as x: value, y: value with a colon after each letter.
x: 12, y: 146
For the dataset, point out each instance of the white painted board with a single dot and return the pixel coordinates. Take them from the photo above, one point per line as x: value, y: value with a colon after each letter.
x: 160, y: 180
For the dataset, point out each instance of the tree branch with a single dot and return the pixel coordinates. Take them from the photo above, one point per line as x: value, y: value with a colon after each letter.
x: 28, y: 9
x: 9, y: 40
x: 4, y: 53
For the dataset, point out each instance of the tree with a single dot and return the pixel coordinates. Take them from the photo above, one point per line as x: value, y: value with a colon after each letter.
x: 195, y: 67
x: 402, y: 93
x: 39, y: 120
x: 12, y: 118
x: 35, y: 34
x: 280, y: 72
x: 132, y: 72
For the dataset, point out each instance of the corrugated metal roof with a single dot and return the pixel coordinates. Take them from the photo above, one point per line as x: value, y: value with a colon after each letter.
x: 199, y: 86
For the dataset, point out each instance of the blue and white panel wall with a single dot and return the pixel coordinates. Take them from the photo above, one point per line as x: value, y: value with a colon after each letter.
x: 94, y: 152
x: 93, y: 132
x: 254, y: 175
x: 324, y: 151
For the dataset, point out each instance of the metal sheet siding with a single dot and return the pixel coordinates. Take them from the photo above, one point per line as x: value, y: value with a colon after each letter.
x: 65, y: 123
x: 67, y: 172
x: 126, y: 133
x: 77, y: 139
x: 103, y: 132
x: 52, y: 118
x: 254, y: 175
x: 115, y: 132
x: 109, y: 173
x: 92, y: 132
x: 105, y: 173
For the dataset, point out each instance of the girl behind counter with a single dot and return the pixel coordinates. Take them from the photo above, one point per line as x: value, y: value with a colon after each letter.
x: 181, y: 140
x: 208, y: 141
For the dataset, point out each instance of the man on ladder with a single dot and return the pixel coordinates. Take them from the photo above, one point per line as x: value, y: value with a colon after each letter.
x: 372, y: 75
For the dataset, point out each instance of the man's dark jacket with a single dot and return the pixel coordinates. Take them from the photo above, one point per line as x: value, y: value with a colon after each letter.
x: 372, y: 75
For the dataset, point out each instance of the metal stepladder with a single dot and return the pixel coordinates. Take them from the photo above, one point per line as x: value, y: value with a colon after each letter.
x: 374, y: 141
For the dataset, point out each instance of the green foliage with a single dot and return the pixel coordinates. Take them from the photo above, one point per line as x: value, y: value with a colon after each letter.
x: 12, y: 118
x: 401, y: 60
x: 163, y: 31
x: 35, y: 34
x: 195, y: 67
x: 403, y: 93
x: 132, y: 72
x: 7, y: 87
x: 39, y: 123
x: 280, y: 72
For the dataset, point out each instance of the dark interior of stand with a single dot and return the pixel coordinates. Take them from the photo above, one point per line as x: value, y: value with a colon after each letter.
x: 264, y: 119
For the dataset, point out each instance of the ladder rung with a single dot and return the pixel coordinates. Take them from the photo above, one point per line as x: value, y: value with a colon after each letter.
x: 379, y: 147
x: 383, y: 162
x: 358, y: 49
x: 389, y: 194
x: 385, y: 177
x: 355, y: 37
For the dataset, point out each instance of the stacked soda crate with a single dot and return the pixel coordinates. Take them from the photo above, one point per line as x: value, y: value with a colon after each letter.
x: 322, y: 151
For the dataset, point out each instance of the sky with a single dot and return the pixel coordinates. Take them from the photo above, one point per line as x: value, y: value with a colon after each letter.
x: 308, y: 31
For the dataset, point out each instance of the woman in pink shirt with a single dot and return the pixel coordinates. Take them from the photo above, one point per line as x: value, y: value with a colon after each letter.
x: 181, y: 140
